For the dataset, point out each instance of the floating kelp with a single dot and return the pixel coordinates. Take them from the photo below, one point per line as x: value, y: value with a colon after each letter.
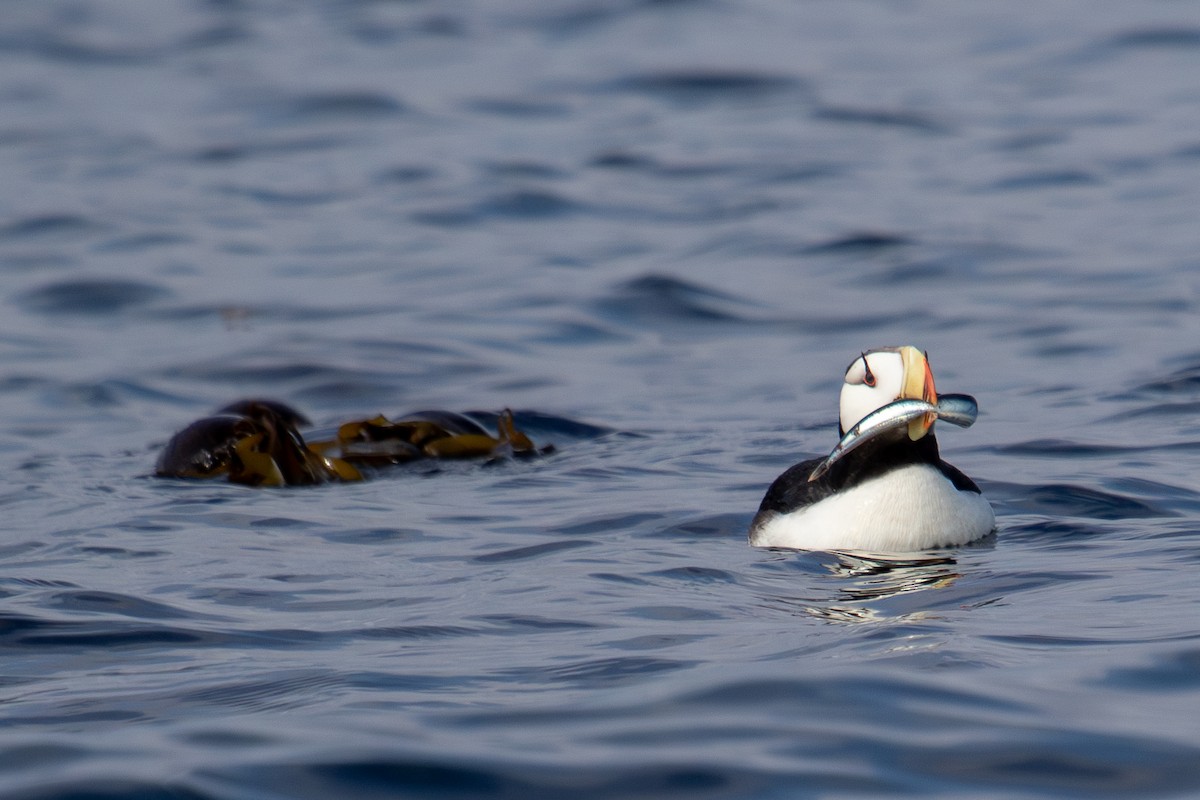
x: 425, y: 434
x: 258, y: 443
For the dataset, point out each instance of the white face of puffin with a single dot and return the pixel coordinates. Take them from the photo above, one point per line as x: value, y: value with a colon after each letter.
x: 883, y: 376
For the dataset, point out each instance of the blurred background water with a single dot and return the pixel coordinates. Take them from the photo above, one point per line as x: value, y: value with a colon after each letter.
x: 675, y: 222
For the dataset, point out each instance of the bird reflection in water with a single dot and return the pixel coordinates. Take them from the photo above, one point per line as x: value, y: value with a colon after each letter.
x: 874, y: 577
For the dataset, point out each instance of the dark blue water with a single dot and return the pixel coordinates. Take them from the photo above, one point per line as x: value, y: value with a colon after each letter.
x: 674, y: 221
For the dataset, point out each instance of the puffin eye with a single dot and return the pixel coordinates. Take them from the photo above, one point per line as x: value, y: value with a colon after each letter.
x: 869, y: 378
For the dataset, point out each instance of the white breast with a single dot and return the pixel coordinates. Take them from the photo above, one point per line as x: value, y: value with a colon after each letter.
x: 908, y: 509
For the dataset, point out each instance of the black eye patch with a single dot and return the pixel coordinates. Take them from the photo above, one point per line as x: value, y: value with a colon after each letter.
x: 869, y: 378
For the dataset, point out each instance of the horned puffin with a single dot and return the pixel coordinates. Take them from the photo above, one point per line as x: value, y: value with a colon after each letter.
x: 883, y: 488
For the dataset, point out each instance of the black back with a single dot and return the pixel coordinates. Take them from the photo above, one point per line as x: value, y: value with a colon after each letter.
x: 793, y: 489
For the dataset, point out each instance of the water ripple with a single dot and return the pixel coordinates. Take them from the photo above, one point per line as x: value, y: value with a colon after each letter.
x: 1045, y: 180
x: 656, y: 299
x: 606, y: 671
x: 82, y: 601
x: 531, y: 551
x: 1066, y: 500
x: 857, y: 243
x: 1183, y: 380
x: 334, y: 106
x: 91, y: 296
x: 57, y: 226
x: 883, y: 118
x: 691, y: 87
x: 1182, y: 36
x: 517, y: 205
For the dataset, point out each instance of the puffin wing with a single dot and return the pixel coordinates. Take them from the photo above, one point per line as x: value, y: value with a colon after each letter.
x: 958, y: 477
x: 793, y: 489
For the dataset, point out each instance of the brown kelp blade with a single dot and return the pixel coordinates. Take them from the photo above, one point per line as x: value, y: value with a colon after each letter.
x: 256, y: 442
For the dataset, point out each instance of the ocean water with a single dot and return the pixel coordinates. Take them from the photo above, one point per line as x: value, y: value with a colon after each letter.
x: 660, y: 230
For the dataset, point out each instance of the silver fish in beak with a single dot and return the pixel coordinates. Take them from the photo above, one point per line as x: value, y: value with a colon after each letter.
x: 957, y: 409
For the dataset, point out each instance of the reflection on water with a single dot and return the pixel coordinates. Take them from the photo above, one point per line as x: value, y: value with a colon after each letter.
x: 857, y: 587
x: 877, y: 576
x: 864, y: 578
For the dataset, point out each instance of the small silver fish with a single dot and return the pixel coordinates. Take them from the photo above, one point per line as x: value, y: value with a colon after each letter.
x: 957, y: 409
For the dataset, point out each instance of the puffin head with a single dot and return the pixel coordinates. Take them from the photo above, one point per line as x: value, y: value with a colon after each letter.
x: 883, y: 376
